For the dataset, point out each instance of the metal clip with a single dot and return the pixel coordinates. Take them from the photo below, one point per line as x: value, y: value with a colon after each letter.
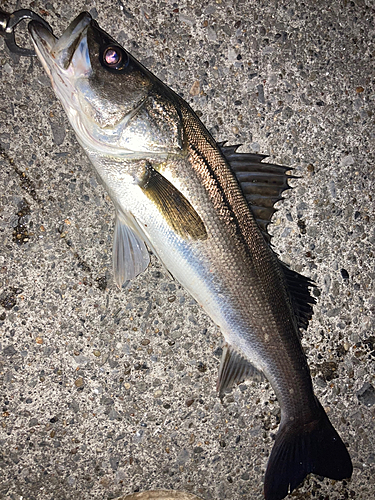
x: 9, y: 21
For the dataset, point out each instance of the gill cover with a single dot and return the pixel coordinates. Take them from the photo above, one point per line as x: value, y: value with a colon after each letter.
x: 115, y: 105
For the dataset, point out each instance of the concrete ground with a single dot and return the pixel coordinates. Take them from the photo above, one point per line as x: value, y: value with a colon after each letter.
x: 105, y: 392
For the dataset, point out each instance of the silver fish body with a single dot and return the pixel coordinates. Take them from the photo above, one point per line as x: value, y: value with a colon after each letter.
x: 178, y: 192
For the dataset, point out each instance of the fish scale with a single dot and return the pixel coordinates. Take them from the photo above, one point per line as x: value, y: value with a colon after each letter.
x: 203, y: 209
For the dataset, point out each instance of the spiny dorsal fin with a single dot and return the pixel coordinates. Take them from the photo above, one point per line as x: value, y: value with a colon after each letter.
x: 261, y: 183
x: 234, y: 368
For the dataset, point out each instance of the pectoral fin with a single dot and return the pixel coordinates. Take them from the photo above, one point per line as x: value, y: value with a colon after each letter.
x: 130, y: 255
x: 175, y: 208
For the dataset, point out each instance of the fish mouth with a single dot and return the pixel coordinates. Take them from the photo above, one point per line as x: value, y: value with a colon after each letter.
x: 66, y: 60
x: 53, y: 51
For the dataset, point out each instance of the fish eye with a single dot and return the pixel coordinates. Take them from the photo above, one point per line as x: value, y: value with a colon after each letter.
x: 115, y: 58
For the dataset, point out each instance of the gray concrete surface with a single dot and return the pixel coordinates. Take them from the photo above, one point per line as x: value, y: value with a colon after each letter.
x: 105, y: 392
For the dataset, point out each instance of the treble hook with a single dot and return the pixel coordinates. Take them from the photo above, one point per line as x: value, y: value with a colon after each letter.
x: 9, y: 21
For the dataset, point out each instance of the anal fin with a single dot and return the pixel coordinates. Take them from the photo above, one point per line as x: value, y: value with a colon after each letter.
x: 130, y: 255
x: 234, y: 368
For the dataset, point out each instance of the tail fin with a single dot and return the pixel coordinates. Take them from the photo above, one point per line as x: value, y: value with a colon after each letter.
x: 298, y: 450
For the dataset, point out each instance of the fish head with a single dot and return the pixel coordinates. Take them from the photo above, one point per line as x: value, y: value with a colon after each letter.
x: 104, y: 90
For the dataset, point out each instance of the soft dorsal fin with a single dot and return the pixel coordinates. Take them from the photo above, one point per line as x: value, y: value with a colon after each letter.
x: 300, y: 296
x: 234, y: 368
x: 261, y: 183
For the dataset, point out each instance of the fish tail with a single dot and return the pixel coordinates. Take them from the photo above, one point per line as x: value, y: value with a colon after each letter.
x: 299, y: 450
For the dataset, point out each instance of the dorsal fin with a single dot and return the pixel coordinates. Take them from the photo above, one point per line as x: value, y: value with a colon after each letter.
x: 300, y: 296
x: 261, y: 183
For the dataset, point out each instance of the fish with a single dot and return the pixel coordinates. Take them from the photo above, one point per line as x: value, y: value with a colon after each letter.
x: 203, y: 209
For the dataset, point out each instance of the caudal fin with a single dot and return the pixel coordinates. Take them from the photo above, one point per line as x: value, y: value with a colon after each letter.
x: 298, y: 450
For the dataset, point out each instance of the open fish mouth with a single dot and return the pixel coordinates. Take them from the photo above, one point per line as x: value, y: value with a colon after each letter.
x: 59, y: 52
